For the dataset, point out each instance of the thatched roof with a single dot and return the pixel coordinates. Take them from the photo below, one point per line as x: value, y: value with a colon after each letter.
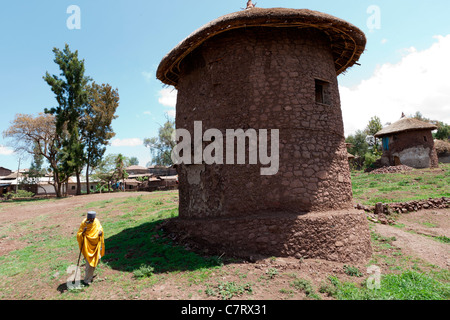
x: 405, y: 124
x: 442, y: 146
x: 347, y: 41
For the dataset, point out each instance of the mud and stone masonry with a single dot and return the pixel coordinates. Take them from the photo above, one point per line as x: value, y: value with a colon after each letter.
x: 269, y: 69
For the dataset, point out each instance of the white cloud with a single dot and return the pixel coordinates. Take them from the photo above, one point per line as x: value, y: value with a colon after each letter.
x: 133, y: 142
x: 168, y: 97
x: 5, y: 151
x: 417, y: 83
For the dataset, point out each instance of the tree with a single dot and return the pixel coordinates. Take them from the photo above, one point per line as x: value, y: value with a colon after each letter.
x: 106, y: 170
x: 71, y: 95
x: 161, y: 147
x: 443, y: 132
x: 121, y: 173
x: 37, y: 136
x: 359, y: 144
x: 372, y: 128
x: 133, y: 161
x: 95, y: 123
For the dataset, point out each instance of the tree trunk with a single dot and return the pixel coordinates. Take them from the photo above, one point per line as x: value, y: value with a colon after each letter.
x: 88, y: 188
x: 57, y: 184
x: 78, y: 182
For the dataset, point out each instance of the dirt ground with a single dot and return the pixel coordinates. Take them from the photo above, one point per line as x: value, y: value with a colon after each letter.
x: 270, y: 277
x: 414, y: 231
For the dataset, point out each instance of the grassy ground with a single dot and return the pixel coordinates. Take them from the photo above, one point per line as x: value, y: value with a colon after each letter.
x: 143, y: 263
x: 368, y: 189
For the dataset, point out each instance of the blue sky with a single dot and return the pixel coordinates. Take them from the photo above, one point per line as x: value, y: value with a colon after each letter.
x: 123, y: 42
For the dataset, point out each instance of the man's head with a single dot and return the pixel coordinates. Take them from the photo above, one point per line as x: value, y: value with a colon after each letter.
x: 91, y: 216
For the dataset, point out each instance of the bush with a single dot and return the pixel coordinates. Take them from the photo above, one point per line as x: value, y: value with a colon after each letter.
x: 369, y: 159
x: 352, y: 271
x: 144, y: 271
x: 19, y: 194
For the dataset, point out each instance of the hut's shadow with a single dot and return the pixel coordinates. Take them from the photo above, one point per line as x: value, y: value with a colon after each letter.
x: 148, y: 245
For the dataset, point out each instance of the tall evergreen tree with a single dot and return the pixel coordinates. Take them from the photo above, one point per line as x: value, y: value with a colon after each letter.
x: 71, y: 94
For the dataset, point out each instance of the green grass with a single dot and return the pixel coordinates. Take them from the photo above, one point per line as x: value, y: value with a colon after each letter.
x: 135, y: 245
x: 228, y: 290
x: 368, y: 189
x: 409, y: 285
x: 305, y: 286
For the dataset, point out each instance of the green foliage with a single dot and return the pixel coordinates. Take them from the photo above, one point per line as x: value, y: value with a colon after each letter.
x: 144, y: 271
x: 161, y: 147
x: 443, y: 132
x: 409, y: 285
x: 71, y: 95
x: 95, y: 123
x: 19, y: 194
x: 359, y: 144
x: 83, y: 116
x: 228, y: 290
x: 272, y: 272
x: 306, y: 287
x: 373, y: 126
x: 134, y: 161
x: 352, y: 271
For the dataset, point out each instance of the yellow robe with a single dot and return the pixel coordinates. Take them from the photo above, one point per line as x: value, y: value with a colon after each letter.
x: 93, y: 245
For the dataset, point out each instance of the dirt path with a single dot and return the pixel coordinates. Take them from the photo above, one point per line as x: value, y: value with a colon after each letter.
x: 11, y: 212
x: 413, y: 235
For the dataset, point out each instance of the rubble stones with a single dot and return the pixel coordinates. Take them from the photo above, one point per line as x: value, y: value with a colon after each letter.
x: 391, y: 169
x: 405, y: 207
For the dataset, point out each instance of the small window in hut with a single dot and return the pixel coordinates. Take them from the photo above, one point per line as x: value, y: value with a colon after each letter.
x: 322, y: 92
x: 425, y: 139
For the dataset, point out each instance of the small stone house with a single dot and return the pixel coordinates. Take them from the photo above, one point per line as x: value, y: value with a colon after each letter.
x: 408, y: 142
x: 443, y: 151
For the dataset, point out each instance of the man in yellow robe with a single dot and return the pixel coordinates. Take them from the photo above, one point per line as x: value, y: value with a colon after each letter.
x: 91, y: 241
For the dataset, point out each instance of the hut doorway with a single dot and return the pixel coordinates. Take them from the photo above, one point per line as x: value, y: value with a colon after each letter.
x: 397, y: 161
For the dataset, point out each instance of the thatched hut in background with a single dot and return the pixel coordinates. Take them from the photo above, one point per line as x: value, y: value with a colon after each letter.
x: 442, y: 150
x: 408, y: 142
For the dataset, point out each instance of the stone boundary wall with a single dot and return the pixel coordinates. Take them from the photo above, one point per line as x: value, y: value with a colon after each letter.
x: 409, y: 206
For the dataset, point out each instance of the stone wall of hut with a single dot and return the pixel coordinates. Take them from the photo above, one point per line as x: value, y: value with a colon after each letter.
x: 265, y: 78
x: 411, y: 148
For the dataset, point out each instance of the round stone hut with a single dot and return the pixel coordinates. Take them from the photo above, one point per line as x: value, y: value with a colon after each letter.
x: 265, y: 71
x: 409, y: 142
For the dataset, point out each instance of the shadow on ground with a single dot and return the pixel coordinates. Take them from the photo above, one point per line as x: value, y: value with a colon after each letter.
x: 148, y: 246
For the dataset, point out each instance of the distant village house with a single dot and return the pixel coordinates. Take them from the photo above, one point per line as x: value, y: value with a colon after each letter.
x: 408, y: 142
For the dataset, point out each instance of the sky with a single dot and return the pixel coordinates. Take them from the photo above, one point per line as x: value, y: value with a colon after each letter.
x: 404, y: 67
